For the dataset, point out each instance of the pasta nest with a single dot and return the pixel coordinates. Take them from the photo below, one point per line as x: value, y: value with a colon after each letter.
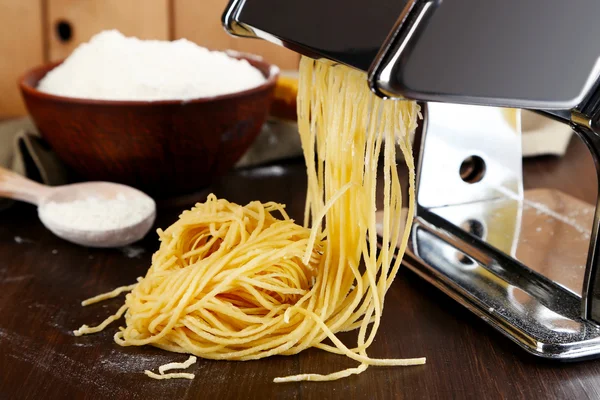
x: 221, y: 283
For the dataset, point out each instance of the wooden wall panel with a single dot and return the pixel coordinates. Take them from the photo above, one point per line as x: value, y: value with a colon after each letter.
x: 200, y: 21
x: 21, y: 48
x: 146, y: 19
x: 29, y: 37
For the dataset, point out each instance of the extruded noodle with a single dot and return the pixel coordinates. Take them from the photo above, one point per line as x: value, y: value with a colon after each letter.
x: 174, y: 365
x: 110, y: 295
x: 233, y: 282
x: 86, y: 330
x: 173, y: 375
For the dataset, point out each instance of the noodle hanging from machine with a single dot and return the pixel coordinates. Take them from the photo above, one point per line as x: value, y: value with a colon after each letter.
x: 233, y: 282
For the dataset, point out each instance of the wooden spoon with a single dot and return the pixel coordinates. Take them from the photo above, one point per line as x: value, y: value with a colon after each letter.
x: 16, y: 187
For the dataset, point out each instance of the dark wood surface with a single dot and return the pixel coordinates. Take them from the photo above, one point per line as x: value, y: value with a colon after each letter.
x: 43, y: 280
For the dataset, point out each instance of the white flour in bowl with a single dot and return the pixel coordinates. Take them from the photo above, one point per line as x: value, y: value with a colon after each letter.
x: 114, y: 67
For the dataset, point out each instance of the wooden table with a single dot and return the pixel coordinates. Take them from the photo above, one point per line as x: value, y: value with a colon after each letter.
x: 43, y: 280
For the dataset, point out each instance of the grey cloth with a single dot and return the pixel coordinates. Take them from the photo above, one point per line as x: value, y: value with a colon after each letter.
x: 278, y: 140
x: 23, y: 151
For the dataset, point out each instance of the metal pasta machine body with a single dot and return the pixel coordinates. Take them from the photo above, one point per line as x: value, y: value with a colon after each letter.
x: 524, y: 261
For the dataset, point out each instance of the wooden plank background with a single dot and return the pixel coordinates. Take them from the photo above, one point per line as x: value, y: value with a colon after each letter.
x: 202, y: 24
x: 29, y: 36
x: 21, y: 47
x: 147, y: 19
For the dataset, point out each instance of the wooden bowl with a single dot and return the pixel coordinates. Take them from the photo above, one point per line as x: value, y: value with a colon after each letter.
x: 165, y: 148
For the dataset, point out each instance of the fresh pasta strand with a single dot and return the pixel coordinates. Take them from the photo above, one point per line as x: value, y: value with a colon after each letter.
x: 173, y: 375
x: 175, y: 365
x: 109, y: 295
x: 233, y: 282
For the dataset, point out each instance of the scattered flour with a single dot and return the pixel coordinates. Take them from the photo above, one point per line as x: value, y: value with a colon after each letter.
x: 122, y: 362
x: 22, y: 240
x: 20, y: 278
x: 260, y: 172
x: 60, y: 366
x: 132, y: 251
x: 95, y: 214
x: 114, y: 67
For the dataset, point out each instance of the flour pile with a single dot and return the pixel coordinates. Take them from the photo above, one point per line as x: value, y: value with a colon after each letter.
x: 97, y: 214
x: 114, y: 67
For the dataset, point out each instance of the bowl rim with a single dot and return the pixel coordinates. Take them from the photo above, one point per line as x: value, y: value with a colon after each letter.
x: 257, y: 62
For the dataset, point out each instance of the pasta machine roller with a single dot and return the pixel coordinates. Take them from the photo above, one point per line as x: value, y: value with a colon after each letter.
x: 524, y: 261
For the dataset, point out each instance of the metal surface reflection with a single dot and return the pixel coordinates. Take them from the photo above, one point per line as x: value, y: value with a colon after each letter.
x: 545, y: 323
x: 518, y: 259
x: 525, y: 262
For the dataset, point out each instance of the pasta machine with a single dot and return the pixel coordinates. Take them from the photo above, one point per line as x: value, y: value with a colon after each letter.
x: 524, y: 261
